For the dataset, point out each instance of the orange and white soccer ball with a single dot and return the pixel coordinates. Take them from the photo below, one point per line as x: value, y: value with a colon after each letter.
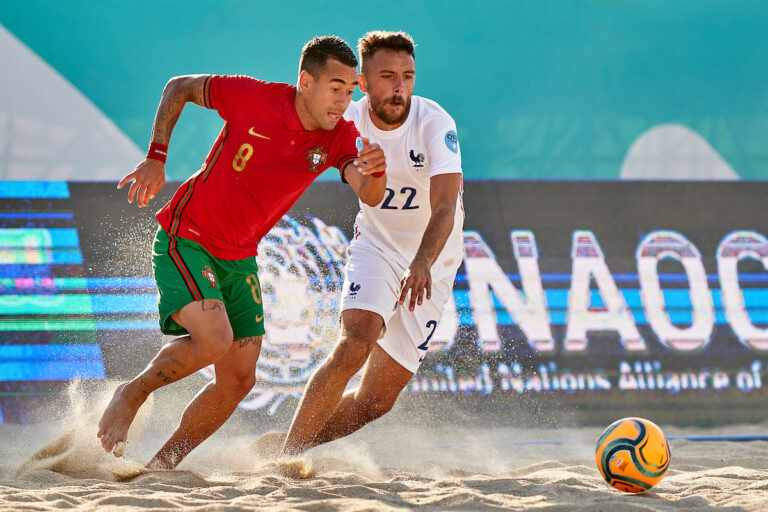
x: 632, y: 454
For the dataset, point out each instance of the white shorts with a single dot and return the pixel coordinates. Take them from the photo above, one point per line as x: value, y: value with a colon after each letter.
x: 372, y: 283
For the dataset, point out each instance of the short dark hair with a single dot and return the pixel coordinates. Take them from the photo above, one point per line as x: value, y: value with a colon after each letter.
x: 378, y: 39
x: 316, y: 53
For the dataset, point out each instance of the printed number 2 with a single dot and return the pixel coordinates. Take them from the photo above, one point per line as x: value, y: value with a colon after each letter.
x: 424, y: 346
x: 408, y: 202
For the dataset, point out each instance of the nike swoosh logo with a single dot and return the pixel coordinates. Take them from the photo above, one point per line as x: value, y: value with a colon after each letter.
x: 255, y: 134
x: 259, y: 318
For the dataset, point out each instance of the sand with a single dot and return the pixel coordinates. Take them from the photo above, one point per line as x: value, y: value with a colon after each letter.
x: 390, y: 465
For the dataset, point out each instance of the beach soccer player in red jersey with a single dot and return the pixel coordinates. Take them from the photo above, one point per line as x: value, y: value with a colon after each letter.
x: 277, y: 138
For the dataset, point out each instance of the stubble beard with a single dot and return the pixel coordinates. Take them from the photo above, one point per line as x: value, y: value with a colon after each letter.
x: 378, y: 107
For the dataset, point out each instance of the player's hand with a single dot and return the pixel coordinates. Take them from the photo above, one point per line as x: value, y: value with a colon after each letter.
x: 148, y: 178
x: 418, y: 281
x: 370, y: 158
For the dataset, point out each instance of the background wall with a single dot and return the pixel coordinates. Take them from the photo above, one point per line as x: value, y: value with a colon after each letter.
x: 539, y: 90
x: 555, y: 102
x: 624, y: 299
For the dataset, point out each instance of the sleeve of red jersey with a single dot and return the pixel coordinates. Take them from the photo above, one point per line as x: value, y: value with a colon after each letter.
x: 345, y: 147
x: 228, y: 94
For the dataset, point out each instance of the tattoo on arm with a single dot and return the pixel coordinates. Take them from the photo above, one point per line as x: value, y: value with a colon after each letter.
x: 168, y: 112
x: 178, y: 91
x: 196, y: 90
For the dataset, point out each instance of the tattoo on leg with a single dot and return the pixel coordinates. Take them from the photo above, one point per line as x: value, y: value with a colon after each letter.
x: 245, y: 341
x: 212, y: 305
x: 178, y: 363
x: 143, y: 386
x: 165, y: 378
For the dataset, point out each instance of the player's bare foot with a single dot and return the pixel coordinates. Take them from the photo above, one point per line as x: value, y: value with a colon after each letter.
x: 159, y: 462
x: 117, y: 418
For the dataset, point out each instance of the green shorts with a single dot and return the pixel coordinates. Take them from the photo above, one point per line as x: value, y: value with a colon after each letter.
x: 185, y: 272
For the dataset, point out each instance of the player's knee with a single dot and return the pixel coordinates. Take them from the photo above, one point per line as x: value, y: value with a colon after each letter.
x: 241, y: 383
x: 350, y: 355
x: 378, y: 407
x: 216, y: 342
x: 247, y: 383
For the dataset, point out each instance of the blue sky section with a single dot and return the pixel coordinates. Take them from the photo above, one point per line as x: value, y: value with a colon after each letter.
x: 553, y: 89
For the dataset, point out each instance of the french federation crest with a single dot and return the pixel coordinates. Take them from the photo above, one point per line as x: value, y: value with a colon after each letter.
x: 417, y: 159
x: 316, y: 157
x: 210, y: 276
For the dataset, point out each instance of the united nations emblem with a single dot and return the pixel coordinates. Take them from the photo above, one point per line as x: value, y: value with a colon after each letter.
x: 210, y: 276
x: 316, y: 157
x: 301, y: 270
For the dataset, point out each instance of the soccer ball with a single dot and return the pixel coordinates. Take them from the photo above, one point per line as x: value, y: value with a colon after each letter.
x: 632, y: 454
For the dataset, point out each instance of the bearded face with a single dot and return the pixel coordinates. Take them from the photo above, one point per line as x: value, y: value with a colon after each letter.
x: 388, y: 79
x: 392, y: 110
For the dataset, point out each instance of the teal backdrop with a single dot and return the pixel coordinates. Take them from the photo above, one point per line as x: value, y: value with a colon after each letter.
x: 539, y: 90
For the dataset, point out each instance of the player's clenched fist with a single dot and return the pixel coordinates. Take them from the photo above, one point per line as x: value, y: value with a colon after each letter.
x: 148, y: 178
x: 370, y: 159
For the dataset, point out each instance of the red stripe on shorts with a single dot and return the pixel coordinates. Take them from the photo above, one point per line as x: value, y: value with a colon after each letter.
x: 184, y: 270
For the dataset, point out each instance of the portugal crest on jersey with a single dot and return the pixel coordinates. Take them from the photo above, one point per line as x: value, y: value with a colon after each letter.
x: 316, y: 157
x: 210, y: 276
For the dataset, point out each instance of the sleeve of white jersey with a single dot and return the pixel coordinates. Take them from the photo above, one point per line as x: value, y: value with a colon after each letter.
x: 353, y: 114
x: 442, y: 145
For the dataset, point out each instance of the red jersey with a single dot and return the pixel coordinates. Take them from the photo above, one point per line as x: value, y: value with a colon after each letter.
x: 262, y: 161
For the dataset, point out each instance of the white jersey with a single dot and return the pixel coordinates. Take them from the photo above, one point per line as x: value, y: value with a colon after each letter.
x: 426, y: 145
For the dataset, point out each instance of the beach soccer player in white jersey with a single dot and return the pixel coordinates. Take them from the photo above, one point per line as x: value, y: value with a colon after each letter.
x: 404, y: 255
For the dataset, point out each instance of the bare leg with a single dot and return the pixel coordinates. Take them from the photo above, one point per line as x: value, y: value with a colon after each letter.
x: 359, y: 332
x: 210, y: 337
x: 214, y: 404
x: 382, y: 382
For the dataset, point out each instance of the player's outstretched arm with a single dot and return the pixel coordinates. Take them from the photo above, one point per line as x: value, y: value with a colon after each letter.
x: 443, y: 192
x: 149, y: 176
x: 366, y: 174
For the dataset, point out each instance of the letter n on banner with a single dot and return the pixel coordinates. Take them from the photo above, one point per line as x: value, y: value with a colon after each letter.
x: 484, y: 274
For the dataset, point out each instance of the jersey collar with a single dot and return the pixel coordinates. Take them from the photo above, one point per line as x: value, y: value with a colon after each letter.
x: 292, y: 121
